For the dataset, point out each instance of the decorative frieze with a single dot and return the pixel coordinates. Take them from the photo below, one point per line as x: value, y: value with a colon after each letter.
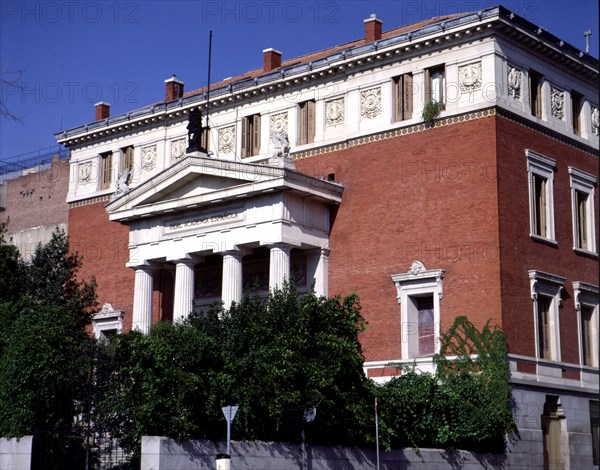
x: 595, y: 121
x: 334, y: 112
x: 85, y: 172
x: 558, y: 103
x: 177, y: 150
x: 226, y: 139
x: 370, y: 103
x: 279, y: 123
x: 514, y: 82
x: 149, y: 157
x: 469, y: 77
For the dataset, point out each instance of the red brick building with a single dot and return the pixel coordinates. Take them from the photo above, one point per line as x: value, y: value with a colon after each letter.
x: 323, y: 169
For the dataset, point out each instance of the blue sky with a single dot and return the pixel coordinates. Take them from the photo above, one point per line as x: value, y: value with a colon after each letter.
x: 76, y: 53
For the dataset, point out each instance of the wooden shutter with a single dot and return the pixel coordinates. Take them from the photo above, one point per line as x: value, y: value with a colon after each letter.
x: 586, y: 335
x: 407, y: 96
x: 310, y: 121
x: 256, y: 134
x: 302, y: 121
x: 427, y: 77
x: 244, y: 150
x: 581, y: 200
x: 543, y: 306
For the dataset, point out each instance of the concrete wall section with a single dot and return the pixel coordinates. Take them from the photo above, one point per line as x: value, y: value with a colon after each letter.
x: 15, y: 454
x: 161, y: 453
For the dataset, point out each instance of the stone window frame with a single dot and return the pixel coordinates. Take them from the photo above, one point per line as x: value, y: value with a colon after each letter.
x: 418, y: 282
x: 583, y: 182
x: 585, y: 294
x: 540, y: 166
x: 543, y: 284
x: 107, y: 320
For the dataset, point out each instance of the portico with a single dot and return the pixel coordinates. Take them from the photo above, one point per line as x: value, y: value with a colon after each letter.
x: 224, y: 227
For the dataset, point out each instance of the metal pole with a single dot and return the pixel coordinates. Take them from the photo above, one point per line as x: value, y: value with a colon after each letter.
x: 377, y: 432
x: 229, y: 434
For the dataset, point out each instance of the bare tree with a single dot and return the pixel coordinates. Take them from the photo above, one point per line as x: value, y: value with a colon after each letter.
x: 10, y: 82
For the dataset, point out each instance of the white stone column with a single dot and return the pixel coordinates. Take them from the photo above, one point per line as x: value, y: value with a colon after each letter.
x: 279, y: 266
x: 232, y: 277
x: 318, y: 270
x: 184, y: 288
x: 142, y: 299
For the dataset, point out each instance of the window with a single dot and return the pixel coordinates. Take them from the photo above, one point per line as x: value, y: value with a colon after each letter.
x: 546, y: 295
x: 535, y: 93
x: 403, y: 97
x: 106, y: 160
x: 435, y: 85
x: 576, y: 100
x: 586, y: 304
x: 306, y: 129
x: 250, y: 135
x: 107, y: 322
x: 419, y: 292
x: 595, y: 428
x: 582, y: 196
x: 541, y: 195
x: 127, y: 159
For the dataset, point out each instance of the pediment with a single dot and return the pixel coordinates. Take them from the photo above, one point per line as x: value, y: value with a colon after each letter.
x: 197, y: 181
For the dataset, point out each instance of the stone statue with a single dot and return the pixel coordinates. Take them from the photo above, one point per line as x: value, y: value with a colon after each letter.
x: 122, y: 184
x: 194, y: 129
x: 282, y: 144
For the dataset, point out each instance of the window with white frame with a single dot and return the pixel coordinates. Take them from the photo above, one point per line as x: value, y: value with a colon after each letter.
x: 419, y: 292
x: 107, y: 322
x: 582, y: 197
x: 546, y: 295
x: 435, y: 85
x: 540, y: 170
x: 586, y: 304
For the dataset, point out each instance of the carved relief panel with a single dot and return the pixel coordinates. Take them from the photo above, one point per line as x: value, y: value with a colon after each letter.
x: 334, y: 112
x: 370, y: 103
x: 149, y: 157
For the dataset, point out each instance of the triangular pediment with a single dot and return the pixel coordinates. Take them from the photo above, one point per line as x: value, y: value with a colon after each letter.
x: 198, y: 181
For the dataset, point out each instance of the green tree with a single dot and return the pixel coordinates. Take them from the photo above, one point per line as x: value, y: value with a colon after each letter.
x: 44, y: 360
x: 274, y: 357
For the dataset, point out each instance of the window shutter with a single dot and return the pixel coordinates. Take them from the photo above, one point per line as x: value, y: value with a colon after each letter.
x: 407, y: 96
x: 582, y: 222
x: 427, y: 77
x: 256, y: 135
x: 244, y: 150
x: 310, y: 121
x: 302, y: 121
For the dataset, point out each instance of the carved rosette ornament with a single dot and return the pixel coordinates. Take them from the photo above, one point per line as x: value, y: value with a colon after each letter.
x: 595, y: 121
x: 514, y: 82
x: 469, y: 77
x: 85, y: 172
x: 334, y: 112
x: 370, y: 103
x: 558, y: 103
x: 149, y: 158
x: 226, y: 139
x: 177, y: 149
x: 279, y: 123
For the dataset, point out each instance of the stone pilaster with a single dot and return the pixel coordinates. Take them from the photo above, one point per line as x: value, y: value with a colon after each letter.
x: 317, y: 270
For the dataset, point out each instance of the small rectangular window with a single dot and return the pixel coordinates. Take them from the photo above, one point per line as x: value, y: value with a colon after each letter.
x: 581, y: 224
x: 540, y: 205
x: 107, y: 178
x: 403, y: 97
x: 576, y: 99
x: 307, y: 120
x: 535, y: 93
x: 582, y: 195
x: 250, y: 135
x: 587, y: 339
x: 543, y: 326
x: 127, y: 158
x: 426, y: 329
x: 435, y: 85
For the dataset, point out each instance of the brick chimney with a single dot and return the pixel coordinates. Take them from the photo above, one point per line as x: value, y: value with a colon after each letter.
x: 173, y: 89
x: 102, y: 110
x: 271, y: 59
x: 372, y: 28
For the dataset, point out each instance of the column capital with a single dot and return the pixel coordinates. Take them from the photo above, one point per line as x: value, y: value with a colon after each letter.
x: 236, y: 251
x: 185, y: 258
x: 141, y: 265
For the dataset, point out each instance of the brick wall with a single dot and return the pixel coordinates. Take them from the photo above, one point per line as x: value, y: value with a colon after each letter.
x: 520, y: 253
x: 428, y: 196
